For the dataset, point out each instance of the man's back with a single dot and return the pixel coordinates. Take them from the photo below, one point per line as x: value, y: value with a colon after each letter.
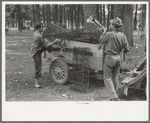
x: 115, y: 41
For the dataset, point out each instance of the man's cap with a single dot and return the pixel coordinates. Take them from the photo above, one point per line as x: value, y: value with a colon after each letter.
x: 117, y: 21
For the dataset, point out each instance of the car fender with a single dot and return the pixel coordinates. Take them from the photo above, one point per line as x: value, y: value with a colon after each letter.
x: 59, y: 57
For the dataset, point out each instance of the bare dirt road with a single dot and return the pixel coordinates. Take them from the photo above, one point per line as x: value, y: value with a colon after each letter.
x: 20, y: 77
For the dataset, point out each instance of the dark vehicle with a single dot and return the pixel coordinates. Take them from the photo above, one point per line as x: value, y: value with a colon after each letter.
x: 26, y: 27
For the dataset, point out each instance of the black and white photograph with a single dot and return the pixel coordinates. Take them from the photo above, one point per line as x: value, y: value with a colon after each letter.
x: 75, y: 56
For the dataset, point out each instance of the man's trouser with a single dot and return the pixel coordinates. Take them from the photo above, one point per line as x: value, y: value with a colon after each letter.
x: 38, y: 64
x: 111, y: 73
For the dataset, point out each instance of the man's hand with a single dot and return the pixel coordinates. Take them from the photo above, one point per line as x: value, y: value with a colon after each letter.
x: 100, y: 46
x: 51, y: 43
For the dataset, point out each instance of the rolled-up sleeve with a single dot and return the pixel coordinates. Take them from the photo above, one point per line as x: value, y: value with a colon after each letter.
x: 44, y: 41
x: 104, y: 39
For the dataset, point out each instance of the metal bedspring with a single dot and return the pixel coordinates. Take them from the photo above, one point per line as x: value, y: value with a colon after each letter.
x: 79, y: 75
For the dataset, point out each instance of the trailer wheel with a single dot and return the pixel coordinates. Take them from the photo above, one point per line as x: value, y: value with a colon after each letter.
x: 59, y: 71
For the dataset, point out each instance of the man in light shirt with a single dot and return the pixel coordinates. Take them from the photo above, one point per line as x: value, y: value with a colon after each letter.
x: 38, y: 46
x: 115, y: 42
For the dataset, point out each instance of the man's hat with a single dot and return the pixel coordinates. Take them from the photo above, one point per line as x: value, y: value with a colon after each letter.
x: 117, y: 21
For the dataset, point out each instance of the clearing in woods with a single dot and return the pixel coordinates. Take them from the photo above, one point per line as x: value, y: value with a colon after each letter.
x: 19, y: 69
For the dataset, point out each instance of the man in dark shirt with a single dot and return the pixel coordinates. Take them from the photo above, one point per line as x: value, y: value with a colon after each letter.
x: 38, y: 46
x: 114, y: 42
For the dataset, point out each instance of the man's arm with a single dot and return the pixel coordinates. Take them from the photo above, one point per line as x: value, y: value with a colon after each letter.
x: 103, y: 38
x: 126, y: 46
x: 48, y: 44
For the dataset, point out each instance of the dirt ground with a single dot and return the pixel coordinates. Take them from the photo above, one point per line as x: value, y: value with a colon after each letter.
x: 20, y: 77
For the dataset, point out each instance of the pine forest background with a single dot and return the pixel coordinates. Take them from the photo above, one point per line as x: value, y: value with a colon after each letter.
x: 73, y: 16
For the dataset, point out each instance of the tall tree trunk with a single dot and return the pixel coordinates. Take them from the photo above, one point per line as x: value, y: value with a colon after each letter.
x: 64, y: 13
x: 75, y: 16
x: 13, y: 17
x: 112, y: 12
x: 77, y: 19
x: 49, y: 9
x: 104, y: 18
x: 68, y: 15
x: 108, y: 6
x: 60, y: 14
x: 19, y: 18
x: 55, y: 14
x: 97, y: 11
x: 78, y: 16
x: 37, y: 15
x: 100, y: 16
x: 33, y: 14
x: 43, y: 12
x: 47, y: 13
x: 143, y: 20
x: 12, y: 23
x: 82, y: 17
x: 128, y: 26
x: 135, y: 18
x: 31, y: 23
x: 71, y: 15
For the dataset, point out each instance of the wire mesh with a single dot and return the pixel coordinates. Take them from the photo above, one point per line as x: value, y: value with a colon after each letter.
x: 53, y: 31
